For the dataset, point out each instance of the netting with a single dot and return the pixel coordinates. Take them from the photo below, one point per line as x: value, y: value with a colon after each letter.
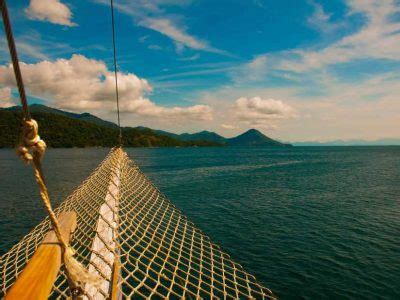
x: 137, y: 241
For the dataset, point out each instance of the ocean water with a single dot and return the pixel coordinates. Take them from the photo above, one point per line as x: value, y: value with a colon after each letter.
x: 308, y: 222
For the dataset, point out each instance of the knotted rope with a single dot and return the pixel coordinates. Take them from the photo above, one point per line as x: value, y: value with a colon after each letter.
x: 31, y: 150
x: 31, y: 141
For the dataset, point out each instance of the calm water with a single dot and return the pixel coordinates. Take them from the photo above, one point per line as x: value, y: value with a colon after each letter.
x: 310, y: 223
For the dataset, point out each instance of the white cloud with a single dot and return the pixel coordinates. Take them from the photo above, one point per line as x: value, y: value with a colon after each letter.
x: 145, y: 107
x: 178, y: 34
x: 32, y: 46
x: 319, y: 104
x: 235, y: 113
x: 154, y: 47
x: 52, y: 11
x: 167, y: 28
x: 255, y: 70
x: 227, y: 126
x: 30, y: 50
x: 190, y: 58
x: 25, y: 49
x: 5, y: 93
x: 378, y: 38
x: 82, y: 84
x: 5, y: 97
x: 151, y: 15
x: 322, y: 21
x: 259, y: 3
x: 328, y: 106
x: 368, y: 109
x: 258, y: 111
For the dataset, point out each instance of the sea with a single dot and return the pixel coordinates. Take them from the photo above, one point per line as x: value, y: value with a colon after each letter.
x: 308, y: 222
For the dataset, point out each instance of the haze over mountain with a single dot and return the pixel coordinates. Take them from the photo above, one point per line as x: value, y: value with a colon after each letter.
x: 377, y: 142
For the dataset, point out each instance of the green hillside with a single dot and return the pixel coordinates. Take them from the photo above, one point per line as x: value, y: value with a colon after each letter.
x: 61, y: 131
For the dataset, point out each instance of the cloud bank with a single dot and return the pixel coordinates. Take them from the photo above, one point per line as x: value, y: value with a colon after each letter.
x: 83, y: 84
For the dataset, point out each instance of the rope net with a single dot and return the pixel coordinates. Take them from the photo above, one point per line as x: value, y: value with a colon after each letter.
x: 137, y: 241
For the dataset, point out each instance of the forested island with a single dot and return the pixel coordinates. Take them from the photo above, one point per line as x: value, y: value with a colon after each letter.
x: 61, y: 129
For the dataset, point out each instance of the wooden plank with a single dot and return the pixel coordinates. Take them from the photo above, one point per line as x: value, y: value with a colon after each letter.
x: 104, y: 246
x: 40, y: 273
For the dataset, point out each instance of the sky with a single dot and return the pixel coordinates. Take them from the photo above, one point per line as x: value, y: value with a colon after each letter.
x: 296, y: 70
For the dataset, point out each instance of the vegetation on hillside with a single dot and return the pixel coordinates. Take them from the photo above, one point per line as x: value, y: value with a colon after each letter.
x: 62, y: 132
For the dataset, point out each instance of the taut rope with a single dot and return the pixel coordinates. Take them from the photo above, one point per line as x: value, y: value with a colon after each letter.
x: 31, y: 150
x: 14, y: 58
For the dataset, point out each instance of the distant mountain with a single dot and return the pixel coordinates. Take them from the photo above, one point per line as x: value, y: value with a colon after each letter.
x: 379, y: 142
x: 254, y: 137
x: 251, y: 137
x: 38, y: 108
x: 199, y: 136
x: 162, y: 132
x: 85, y: 126
x: 202, y: 136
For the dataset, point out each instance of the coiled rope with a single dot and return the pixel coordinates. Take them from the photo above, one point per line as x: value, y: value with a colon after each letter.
x: 31, y: 150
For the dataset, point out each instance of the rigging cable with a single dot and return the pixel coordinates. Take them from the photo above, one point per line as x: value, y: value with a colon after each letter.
x: 14, y: 58
x: 115, y: 70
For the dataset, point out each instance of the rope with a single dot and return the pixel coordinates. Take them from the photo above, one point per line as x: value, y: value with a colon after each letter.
x: 31, y: 150
x: 115, y: 70
x: 14, y: 58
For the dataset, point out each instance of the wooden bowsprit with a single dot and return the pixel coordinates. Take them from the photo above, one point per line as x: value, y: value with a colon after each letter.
x: 104, y: 247
x: 40, y: 273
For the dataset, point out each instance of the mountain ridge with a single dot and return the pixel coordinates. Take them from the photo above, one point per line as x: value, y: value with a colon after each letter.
x: 153, y: 137
x: 197, y: 136
x: 46, y: 109
x: 60, y: 131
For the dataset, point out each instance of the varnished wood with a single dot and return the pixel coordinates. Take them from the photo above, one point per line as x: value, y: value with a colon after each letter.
x: 37, y: 279
x: 115, y: 293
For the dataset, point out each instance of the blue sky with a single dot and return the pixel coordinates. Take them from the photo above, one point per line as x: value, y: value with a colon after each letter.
x: 297, y: 70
